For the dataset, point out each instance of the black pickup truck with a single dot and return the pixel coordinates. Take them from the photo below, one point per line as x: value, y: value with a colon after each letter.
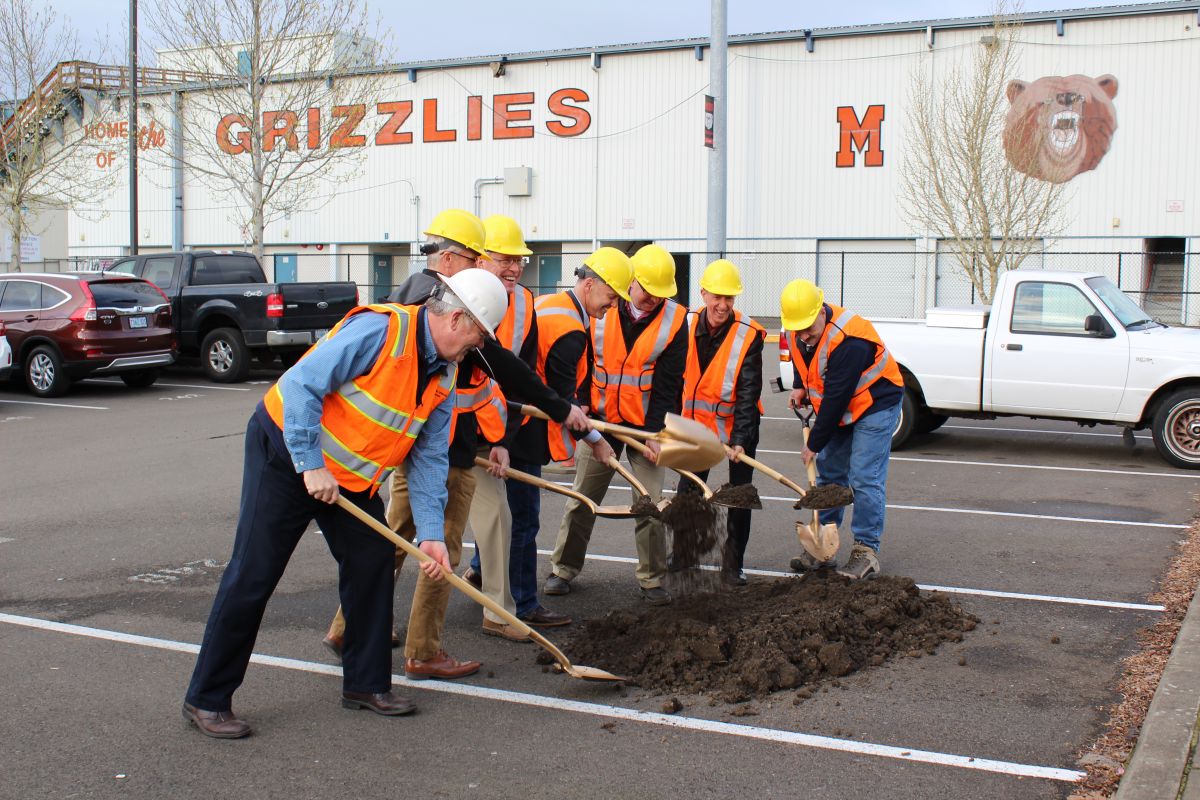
x: 225, y: 312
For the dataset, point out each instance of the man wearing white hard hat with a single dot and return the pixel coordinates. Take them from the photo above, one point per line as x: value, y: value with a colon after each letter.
x: 373, y: 395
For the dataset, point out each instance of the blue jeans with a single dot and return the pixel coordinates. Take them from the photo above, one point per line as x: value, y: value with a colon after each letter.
x: 857, y: 457
x: 525, y: 503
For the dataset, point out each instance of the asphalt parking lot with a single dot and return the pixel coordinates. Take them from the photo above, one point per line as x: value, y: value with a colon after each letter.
x: 117, y: 514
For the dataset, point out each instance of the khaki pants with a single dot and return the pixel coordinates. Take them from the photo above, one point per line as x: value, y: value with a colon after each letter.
x: 427, y: 615
x: 491, y: 522
x: 592, y: 479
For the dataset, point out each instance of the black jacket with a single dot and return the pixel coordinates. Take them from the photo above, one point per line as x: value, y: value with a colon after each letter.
x: 749, y: 380
x: 517, y: 380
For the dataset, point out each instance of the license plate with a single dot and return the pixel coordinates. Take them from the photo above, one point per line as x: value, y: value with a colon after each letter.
x: 138, y: 322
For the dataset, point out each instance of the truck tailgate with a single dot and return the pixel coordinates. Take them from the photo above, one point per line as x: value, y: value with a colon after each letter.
x: 316, y: 305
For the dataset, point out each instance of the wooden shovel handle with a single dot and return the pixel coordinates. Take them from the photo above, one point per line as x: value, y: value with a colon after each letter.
x: 644, y: 450
x: 812, y: 480
x: 628, y: 475
x: 772, y: 473
x: 603, y: 427
x: 541, y: 483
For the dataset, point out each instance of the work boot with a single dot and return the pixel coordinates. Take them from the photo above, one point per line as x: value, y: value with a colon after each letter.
x: 863, y: 562
x: 556, y: 586
x: 806, y: 563
x: 656, y: 596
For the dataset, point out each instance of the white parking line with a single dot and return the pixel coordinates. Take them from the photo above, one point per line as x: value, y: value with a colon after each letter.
x: 956, y: 462
x: 596, y: 709
x: 990, y: 428
x: 1044, y: 598
x: 979, y: 511
x: 185, y: 385
x: 54, y: 405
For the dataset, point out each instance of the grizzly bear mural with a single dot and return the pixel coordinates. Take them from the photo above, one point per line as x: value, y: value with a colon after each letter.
x: 1058, y: 127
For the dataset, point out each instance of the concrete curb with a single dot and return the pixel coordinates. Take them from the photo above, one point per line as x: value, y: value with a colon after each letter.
x: 1160, y: 761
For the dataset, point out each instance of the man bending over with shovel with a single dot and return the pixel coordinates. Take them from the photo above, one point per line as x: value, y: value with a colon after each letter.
x: 843, y: 368
x: 375, y: 392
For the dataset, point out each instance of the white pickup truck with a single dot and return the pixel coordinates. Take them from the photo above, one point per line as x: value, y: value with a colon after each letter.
x: 1053, y: 345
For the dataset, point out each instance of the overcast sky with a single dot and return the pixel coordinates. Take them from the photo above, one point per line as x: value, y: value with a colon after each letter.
x: 457, y: 28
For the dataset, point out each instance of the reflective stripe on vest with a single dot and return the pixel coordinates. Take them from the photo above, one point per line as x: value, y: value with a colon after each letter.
x: 716, y: 412
x: 636, y: 377
x: 813, y: 374
x: 557, y: 315
x: 522, y: 319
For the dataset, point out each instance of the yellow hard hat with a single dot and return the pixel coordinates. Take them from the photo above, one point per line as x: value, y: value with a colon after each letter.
x: 654, y: 269
x: 721, y: 277
x: 461, y: 227
x: 613, y: 266
x: 503, y: 235
x: 799, y: 304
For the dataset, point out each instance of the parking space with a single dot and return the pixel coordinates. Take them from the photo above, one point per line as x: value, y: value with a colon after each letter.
x: 120, y: 516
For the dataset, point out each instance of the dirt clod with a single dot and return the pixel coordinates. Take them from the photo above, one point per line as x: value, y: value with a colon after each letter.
x: 772, y: 635
x: 1054, y: 640
x: 672, y: 706
x: 829, y: 496
x: 743, y: 496
x: 643, y: 506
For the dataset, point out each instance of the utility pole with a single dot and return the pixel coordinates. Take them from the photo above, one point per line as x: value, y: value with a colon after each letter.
x: 719, y: 153
x: 133, y: 128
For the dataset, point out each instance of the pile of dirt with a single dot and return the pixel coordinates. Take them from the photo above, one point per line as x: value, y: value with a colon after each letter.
x: 829, y: 496
x: 743, y: 496
x: 769, y: 636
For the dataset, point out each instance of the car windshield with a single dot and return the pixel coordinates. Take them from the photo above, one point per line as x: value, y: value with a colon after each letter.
x: 124, y: 294
x: 1128, y: 312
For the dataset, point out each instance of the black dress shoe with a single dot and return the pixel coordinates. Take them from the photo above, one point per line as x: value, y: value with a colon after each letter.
x: 217, y: 724
x: 385, y: 703
x: 542, y: 617
x: 733, y: 577
x: 472, y: 577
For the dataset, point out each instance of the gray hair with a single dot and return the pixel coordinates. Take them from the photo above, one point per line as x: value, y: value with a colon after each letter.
x: 583, y: 273
x: 439, y: 307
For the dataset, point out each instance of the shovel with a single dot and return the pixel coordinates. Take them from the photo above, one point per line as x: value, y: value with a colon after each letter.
x: 575, y: 671
x: 686, y: 444
x: 821, y: 541
x: 610, y: 512
x: 708, y: 493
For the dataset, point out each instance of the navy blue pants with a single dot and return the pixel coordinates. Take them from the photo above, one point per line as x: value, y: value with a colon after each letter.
x: 275, y: 511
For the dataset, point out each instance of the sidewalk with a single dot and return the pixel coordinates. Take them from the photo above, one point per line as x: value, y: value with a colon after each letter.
x: 1166, y: 748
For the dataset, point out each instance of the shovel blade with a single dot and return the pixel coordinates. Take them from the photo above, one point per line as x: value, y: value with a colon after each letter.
x: 821, y: 541
x: 688, y: 444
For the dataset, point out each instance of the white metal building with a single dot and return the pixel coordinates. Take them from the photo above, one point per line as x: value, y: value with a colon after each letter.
x: 606, y: 147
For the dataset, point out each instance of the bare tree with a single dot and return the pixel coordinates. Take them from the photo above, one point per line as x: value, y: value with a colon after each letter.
x: 287, y: 74
x: 957, y: 181
x: 46, y: 151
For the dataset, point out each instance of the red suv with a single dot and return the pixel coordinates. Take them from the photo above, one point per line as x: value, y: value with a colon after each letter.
x: 71, y: 325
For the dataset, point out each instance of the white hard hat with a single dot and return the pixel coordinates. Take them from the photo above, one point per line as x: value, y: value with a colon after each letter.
x: 480, y: 293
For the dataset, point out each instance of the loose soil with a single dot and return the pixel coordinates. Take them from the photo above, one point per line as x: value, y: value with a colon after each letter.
x: 744, y: 496
x: 828, y: 496
x: 644, y: 506
x: 769, y: 636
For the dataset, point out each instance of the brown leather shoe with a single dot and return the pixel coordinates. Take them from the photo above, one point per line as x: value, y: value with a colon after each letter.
x: 334, y: 645
x: 440, y: 666
x: 542, y: 617
x: 472, y: 577
x: 217, y: 724
x: 504, y: 631
x: 385, y: 703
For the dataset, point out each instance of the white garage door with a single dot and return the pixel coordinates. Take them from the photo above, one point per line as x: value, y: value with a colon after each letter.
x: 875, y: 278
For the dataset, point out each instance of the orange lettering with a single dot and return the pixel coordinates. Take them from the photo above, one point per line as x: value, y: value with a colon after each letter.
x: 862, y: 135
x: 344, y: 135
x: 272, y: 130
x: 230, y: 142
x: 431, y: 132
x: 390, y: 132
x: 504, y: 114
x: 583, y: 120
x: 314, y: 128
x: 474, y: 118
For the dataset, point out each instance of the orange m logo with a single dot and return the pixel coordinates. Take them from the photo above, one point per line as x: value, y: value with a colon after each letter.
x: 862, y: 135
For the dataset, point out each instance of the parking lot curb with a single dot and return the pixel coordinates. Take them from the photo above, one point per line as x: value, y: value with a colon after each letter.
x: 1160, y: 762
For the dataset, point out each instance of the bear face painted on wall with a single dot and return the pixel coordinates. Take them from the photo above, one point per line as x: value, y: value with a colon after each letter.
x: 1058, y: 127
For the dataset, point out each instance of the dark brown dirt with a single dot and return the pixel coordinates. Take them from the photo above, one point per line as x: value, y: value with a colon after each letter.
x: 744, y: 496
x: 697, y: 536
x: 828, y: 496
x: 643, y: 506
x: 769, y: 636
x: 689, y: 511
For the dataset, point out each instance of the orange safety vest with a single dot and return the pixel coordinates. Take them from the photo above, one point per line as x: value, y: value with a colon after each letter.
x: 621, y: 379
x: 518, y: 320
x: 369, y: 425
x: 843, y: 323
x: 710, y: 397
x: 491, y: 411
x: 482, y: 396
x: 558, y: 315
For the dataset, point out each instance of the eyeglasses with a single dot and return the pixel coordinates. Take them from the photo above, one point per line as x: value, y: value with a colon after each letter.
x: 468, y: 256
x: 509, y: 261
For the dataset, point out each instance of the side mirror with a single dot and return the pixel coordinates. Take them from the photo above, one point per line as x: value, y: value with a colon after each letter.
x: 1098, y: 326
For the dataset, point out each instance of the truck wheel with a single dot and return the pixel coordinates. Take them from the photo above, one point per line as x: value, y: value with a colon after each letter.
x: 224, y: 356
x: 1176, y: 428
x: 140, y: 378
x: 907, y: 422
x: 44, y: 373
x: 929, y: 422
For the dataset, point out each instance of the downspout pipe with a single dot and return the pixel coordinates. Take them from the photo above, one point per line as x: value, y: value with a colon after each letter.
x: 177, y: 170
x: 479, y: 184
